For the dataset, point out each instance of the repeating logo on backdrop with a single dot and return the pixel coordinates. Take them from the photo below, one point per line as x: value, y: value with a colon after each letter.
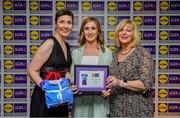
x: 163, y: 64
x: 34, y: 5
x: 34, y: 20
x: 138, y: 20
x: 111, y: 35
x: 7, y: 5
x: 33, y: 49
x: 163, y: 49
x: 8, y: 49
x: 8, y: 64
x: 163, y: 78
x: 164, y: 5
x: 163, y: 35
x: 162, y: 107
x: 138, y: 6
x: 8, y: 79
x: 8, y: 35
x: 8, y: 108
x: 60, y: 5
x: 162, y: 93
x: 34, y: 35
x: 112, y: 20
x: 164, y: 20
x: 8, y: 93
x: 86, y: 6
x: 112, y: 6
x: 8, y: 20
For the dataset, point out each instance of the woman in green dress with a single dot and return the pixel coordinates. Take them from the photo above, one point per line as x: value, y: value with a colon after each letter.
x: 90, y: 52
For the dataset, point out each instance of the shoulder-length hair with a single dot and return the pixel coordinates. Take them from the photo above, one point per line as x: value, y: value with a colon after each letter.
x: 120, y: 26
x: 100, y: 39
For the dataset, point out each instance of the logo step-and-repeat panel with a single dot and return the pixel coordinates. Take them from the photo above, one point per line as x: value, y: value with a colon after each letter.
x: 26, y: 23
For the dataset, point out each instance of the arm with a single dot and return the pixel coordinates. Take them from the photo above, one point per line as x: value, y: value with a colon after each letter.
x: 40, y: 57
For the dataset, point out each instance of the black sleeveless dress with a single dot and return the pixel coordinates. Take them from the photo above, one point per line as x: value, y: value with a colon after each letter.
x: 55, y: 63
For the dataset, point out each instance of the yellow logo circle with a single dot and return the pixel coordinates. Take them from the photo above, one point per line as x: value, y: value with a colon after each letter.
x: 8, y: 20
x: 164, y: 20
x: 138, y: 20
x: 164, y: 5
x: 8, y: 93
x: 86, y: 6
x: 33, y: 49
x: 8, y: 79
x: 138, y: 6
x: 163, y: 79
x: 7, y: 5
x: 112, y: 20
x: 162, y: 107
x: 60, y: 5
x: 34, y: 35
x: 112, y: 48
x: 8, y: 49
x: 163, y: 64
x: 112, y: 6
x: 8, y: 108
x: 8, y: 35
x: 8, y: 64
x: 34, y: 20
x: 163, y: 35
x: 111, y: 35
x: 163, y: 49
x: 34, y: 5
x: 162, y: 93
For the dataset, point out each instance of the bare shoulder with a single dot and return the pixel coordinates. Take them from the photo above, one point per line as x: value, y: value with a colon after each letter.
x: 48, y: 43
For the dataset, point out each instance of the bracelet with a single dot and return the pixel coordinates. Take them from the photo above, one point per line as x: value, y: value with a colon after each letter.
x: 124, y: 85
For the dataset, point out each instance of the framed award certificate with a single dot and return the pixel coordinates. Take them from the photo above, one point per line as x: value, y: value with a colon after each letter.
x: 91, y: 77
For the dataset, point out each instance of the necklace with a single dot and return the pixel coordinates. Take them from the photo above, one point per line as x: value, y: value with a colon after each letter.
x: 125, y: 53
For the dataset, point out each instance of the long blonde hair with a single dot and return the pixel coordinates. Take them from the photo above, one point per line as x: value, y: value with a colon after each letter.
x: 120, y: 26
x: 100, y: 39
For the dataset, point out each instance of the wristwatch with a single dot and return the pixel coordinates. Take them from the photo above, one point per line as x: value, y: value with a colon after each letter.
x: 124, y: 83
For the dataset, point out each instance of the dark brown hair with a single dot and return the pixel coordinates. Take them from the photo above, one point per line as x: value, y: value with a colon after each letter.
x: 62, y: 13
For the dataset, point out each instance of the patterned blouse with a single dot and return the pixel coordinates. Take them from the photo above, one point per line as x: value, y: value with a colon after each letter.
x: 138, y: 65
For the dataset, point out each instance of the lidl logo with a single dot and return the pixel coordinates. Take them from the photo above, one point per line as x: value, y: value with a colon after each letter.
x: 163, y: 79
x: 8, y: 20
x: 60, y: 5
x: 162, y: 107
x: 8, y: 64
x: 7, y: 5
x: 138, y: 6
x: 8, y: 79
x: 34, y: 5
x: 163, y: 35
x: 8, y: 35
x: 138, y: 20
x: 86, y: 6
x: 164, y: 5
x: 162, y: 93
x: 112, y: 6
x: 8, y: 108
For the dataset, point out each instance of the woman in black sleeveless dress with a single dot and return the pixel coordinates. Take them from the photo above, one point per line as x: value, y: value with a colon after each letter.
x: 51, y: 61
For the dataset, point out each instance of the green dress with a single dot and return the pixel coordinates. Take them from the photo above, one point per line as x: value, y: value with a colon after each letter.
x: 91, y: 104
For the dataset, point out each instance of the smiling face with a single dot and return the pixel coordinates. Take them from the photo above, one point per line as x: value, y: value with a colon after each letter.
x: 90, y: 31
x: 64, y: 25
x: 126, y: 34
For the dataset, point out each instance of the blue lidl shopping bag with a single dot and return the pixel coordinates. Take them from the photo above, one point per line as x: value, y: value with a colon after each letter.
x: 57, y: 92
